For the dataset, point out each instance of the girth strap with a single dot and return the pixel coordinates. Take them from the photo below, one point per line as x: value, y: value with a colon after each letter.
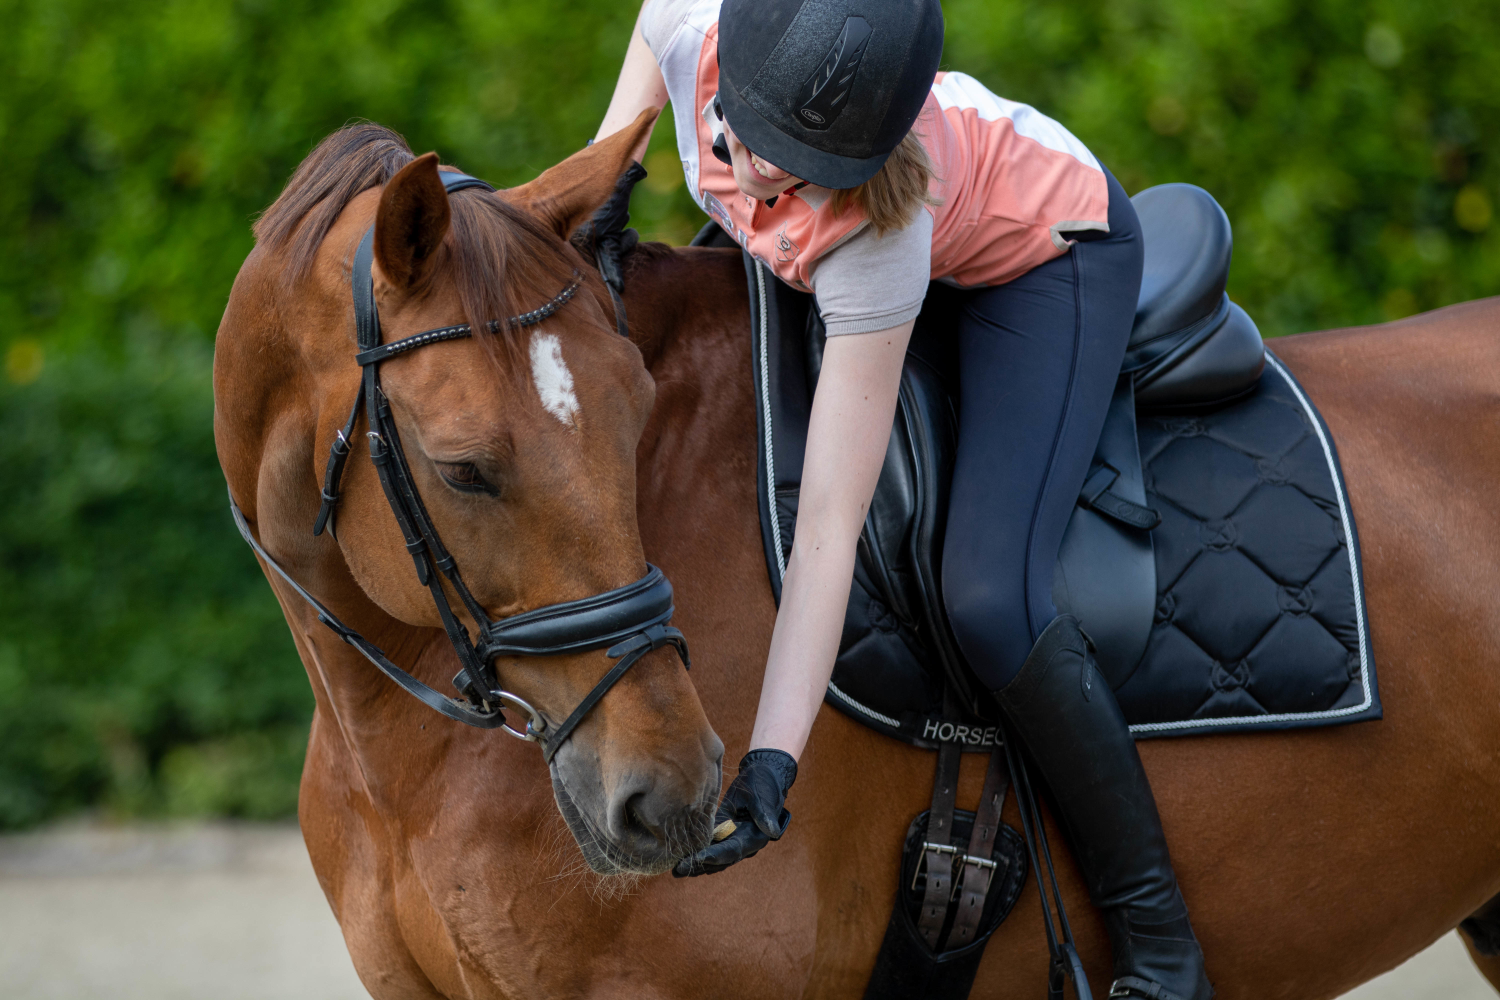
x: 979, y: 865
x: 942, y: 860
x: 938, y: 851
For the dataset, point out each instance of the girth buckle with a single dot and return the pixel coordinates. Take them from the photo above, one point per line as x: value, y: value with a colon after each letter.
x: 929, y: 849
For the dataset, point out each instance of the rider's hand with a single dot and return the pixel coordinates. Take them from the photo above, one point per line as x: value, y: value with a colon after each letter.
x: 756, y: 806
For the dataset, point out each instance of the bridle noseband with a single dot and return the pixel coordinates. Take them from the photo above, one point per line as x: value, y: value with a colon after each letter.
x: 627, y: 622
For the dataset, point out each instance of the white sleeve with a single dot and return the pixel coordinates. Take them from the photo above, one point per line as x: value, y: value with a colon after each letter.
x: 660, y: 22
x: 675, y: 31
x: 873, y: 283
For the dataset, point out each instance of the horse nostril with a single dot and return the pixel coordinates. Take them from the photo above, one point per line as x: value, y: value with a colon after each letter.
x: 630, y: 814
x: 644, y: 816
x: 634, y: 822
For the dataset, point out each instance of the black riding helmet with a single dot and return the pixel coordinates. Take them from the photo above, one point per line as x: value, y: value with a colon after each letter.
x: 826, y: 89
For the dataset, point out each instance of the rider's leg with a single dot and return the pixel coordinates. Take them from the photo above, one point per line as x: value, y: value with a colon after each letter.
x: 1069, y: 720
x: 1039, y: 359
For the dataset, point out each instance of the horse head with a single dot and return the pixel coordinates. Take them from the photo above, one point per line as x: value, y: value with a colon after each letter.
x: 521, y: 443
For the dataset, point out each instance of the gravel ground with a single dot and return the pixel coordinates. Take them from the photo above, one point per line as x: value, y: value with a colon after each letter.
x: 233, y: 912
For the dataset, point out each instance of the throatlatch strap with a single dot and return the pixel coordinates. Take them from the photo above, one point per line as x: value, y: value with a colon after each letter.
x: 333, y: 475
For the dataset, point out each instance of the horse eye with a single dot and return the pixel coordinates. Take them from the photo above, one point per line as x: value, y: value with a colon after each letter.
x: 463, y: 476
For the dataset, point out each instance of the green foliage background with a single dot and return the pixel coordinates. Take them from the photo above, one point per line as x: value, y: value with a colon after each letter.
x: 144, y: 667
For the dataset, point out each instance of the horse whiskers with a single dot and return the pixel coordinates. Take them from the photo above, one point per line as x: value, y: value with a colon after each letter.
x: 564, y: 849
x: 561, y: 851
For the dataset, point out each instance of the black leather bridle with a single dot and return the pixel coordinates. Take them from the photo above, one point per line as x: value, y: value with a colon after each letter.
x: 627, y: 622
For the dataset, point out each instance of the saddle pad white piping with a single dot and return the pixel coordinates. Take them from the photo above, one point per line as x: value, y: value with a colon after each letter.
x: 841, y: 696
x: 765, y: 403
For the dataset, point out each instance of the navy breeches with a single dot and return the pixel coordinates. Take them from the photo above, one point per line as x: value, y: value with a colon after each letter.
x: 1038, y: 362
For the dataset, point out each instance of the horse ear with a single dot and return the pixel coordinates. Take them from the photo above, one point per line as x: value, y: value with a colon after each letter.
x: 565, y: 196
x: 411, y: 222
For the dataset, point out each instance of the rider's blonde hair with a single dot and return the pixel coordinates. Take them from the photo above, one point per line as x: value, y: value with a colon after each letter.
x: 892, y: 198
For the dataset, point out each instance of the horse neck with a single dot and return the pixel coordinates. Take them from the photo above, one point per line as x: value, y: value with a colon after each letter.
x: 696, y: 468
x: 266, y: 375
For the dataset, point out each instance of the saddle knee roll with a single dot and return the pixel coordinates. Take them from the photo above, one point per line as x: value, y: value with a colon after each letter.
x: 1216, y: 365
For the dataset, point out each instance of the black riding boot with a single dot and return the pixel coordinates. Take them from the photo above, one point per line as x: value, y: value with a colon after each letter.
x: 1069, y: 720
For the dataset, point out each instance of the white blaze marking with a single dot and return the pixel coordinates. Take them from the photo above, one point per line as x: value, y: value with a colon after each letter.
x: 554, y: 383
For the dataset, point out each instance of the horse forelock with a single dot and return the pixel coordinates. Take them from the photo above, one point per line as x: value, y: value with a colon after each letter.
x: 499, y: 260
x: 502, y: 262
x: 352, y: 160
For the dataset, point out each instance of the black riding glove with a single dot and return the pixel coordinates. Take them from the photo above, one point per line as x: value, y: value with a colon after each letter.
x: 751, y: 815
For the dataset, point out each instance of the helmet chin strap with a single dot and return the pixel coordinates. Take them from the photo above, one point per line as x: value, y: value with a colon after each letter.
x: 722, y: 154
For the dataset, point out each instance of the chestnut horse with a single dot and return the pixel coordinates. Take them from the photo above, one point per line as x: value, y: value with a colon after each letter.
x: 1311, y: 861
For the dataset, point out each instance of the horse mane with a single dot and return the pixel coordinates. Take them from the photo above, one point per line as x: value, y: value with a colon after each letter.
x: 498, y: 253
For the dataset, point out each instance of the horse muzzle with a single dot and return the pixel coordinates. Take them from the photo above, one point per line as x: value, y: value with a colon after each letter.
x: 649, y: 817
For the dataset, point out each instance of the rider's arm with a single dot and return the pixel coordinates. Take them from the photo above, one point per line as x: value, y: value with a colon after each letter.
x: 850, y: 428
x: 640, y: 86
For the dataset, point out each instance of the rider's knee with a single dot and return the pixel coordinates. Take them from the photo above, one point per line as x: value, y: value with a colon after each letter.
x: 987, y: 610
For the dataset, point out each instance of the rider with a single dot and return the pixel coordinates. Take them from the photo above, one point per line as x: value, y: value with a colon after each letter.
x: 819, y: 134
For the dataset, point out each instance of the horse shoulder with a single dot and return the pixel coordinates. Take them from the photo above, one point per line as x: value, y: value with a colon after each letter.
x: 351, y: 855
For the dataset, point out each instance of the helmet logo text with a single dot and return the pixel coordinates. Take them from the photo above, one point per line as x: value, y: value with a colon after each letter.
x: 822, y: 98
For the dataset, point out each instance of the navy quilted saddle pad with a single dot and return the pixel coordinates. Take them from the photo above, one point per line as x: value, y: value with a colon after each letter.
x: 1260, y: 619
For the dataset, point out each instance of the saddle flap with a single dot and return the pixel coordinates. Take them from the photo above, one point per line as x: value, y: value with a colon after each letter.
x: 1106, y: 569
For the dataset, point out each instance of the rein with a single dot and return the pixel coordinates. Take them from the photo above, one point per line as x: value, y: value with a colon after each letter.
x: 627, y: 622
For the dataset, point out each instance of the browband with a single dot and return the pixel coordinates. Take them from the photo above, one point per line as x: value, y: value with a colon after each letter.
x: 463, y: 330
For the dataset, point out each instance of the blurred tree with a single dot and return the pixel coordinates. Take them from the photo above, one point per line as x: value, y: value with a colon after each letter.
x: 143, y: 662
x: 1355, y: 145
